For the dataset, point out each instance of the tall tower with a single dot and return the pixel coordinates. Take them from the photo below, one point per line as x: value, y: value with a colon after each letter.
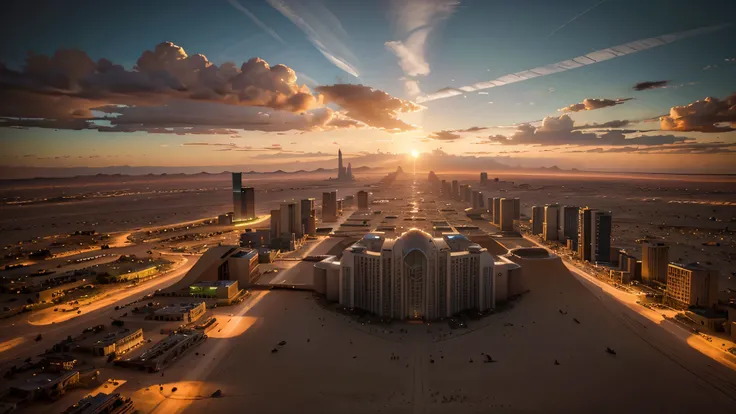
x: 237, y: 196
x: 339, y: 165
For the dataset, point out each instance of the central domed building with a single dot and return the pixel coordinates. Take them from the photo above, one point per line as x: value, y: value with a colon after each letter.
x: 417, y: 276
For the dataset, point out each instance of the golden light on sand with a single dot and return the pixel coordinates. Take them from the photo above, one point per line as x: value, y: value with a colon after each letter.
x: 11, y: 343
x: 232, y: 326
x: 154, y: 399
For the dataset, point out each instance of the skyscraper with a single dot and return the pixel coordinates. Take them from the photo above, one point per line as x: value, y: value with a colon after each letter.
x: 362, y: 200
x: 237, y: 196
x: 483, y: 178
x: 455, y: 190
x: 329, y: 206
x: 248, y: 203
x: 349, y: 173
x: 517, y: 209
x: 537, y: 219
x: 340, y: 168
x: 594, y: 235
x: 654, y: 259
x: 568, y: 223
x: 496, y: 213
x: 549, y: 230
x: 506, y: 216
x: 291, y: 219
x: 306, y: 208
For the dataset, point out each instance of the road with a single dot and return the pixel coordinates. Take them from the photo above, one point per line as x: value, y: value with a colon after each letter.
x: 17, y: 335
x: 629, y: 300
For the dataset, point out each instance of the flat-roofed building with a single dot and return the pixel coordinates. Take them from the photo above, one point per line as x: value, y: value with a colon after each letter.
x: 692, y: 285
x: 594, y: 235
x: 362, y: 200
x: 496, y: 211
x: 506, y: 214
x: 551, y: 215
x: 568, y: 223
x: 222, y: 290
x: 329, y: 206
x: 185, y: 312
x: 118, y: 342
x: 537, y: 220
x: 655, y: 261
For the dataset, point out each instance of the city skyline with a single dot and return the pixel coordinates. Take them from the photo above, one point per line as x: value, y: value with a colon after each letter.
x: 471, y: 85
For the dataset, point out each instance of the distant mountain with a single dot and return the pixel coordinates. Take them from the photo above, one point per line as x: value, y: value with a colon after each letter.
x: 24, y: 173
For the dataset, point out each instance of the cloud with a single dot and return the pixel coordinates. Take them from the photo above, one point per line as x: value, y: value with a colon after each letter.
x: 323, y: 30
x: 452, y: 134
x: 609, y: 124
x: 642, y: 86
x: 574, y: 63
x: 411, y: 87
x: 444, y: 136
x: 371, y: 106
x: 211, y: 117
x: 68, y: 84
x: 415, y: 20
x: 561, y: 131
x: 708, y: 115
x: 257, y: 21
x: 672, y: 149
x: 590, y: 104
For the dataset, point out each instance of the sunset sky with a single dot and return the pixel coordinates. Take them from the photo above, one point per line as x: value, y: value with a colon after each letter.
x: 587, y: 84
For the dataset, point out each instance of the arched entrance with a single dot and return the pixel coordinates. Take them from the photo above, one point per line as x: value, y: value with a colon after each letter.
x: 415, y: 270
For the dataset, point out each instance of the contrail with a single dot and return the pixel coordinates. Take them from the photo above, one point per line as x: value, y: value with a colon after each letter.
x: 579, y: 15
x: 257, y: 21
x: 580, y: 61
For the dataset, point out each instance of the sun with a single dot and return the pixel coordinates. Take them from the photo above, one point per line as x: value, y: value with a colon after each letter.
x: 415, y: 153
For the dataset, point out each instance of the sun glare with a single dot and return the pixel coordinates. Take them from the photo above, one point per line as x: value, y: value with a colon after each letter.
x: 415, y: 153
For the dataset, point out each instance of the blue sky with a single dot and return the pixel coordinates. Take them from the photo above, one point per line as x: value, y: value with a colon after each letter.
x: 469, y: 42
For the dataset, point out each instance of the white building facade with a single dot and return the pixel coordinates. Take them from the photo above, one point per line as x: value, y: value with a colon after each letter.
x: 416, y: 276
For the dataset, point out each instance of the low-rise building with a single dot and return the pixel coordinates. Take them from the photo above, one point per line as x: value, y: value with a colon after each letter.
x: 222, y: 290
x: 118, y: 342
x: 185, y: 312
x: 101, y: 403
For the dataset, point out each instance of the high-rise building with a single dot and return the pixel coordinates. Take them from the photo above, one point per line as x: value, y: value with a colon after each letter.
x: 291, y: 219
x: 496, y: 211
x: 275, y: 223
x: 692, y: 285
x: 483, y: 178
x: 517, y: 209
x: 362, y: 200
x: 594, y: 235
x: 416, y: 276
x: 329, y: 206
x: 474, y: 203
x: 549, y: 230
x: 306, y: 209
x: 340, y: 168
x: 349, y: 172
x: 237, y: 196
x: 655, y: 260
x: 506, y: 216
x: 468, y: 193
x: 455, y: 190
x: 568, y: 223
x: 538, y: 220
x: 481, y: 203
x: 248, y: 203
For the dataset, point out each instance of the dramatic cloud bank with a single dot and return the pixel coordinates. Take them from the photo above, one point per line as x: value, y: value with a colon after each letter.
x: 371, y: 106
x: 590, y: 104
x: 708, y: 115
x: 169, y: 91
x: 561, y: 131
